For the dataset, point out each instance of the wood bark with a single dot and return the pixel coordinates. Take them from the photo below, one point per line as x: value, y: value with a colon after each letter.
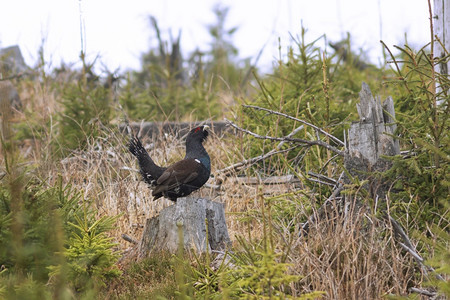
x: 441, y: 21
x: 371, y: 138
x: 157, y: 129
x: 201, y: 221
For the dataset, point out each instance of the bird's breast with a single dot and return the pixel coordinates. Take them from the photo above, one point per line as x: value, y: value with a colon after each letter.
x: 205, y: 161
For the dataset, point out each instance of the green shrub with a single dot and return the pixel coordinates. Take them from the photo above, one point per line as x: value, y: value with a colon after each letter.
x: 422, y: 173
x: 308, y: 85
x: 86, y: 108
x: 32, y: 242
x: 89, y: 253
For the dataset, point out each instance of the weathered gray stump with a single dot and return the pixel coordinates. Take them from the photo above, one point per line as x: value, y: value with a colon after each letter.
x: 192, y: 216
x: 371, y: 138
x: 368, y: 140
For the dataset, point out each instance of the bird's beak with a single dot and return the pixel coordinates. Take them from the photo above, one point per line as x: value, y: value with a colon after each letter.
x: 205, y: 127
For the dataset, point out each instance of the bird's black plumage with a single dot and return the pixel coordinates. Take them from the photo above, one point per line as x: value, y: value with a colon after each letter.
x: 181, y: 178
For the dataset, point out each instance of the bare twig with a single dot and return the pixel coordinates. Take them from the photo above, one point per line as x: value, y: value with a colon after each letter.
x: 128, y: 238
x: 304, y: 143
x: 423, y: 292
x: 323, y: 179
x: 328, y: 161
x: 230, y: 169
x: 320, y: 181
x: 298, y: 120
x: 408, y: 246
x: 290, y: 135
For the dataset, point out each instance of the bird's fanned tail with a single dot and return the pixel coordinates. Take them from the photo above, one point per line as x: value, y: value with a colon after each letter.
x: 149, y: 170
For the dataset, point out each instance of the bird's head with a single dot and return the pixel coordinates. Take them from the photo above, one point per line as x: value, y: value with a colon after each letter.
x: 198, y: 133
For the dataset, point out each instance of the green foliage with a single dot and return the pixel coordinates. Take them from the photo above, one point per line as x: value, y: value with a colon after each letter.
x: 311, y: 86
x: 37, y: 245
x: 421, y: 177
x: 260, y: 270
x: 27, y: 288
x: 260, y: 273
x: 35, y: 217
x: 199, y: 278
x: 150, y: 278
x: 90, y: 256
x: 86, y: 108
x: 314, y: 88
x: 441, y: 260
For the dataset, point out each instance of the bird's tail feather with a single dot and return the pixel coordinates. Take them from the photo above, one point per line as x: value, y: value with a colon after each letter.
x: 135, y: 147
x: 149, y: 170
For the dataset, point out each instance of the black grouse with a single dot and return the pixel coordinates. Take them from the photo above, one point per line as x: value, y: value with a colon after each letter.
x: 181, y: 178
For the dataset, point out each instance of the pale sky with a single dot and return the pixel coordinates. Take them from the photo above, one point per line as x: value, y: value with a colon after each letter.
x: 119, y: 31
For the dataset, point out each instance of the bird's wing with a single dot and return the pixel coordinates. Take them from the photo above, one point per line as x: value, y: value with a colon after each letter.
x: 149, y: 170
x: 179, y: 173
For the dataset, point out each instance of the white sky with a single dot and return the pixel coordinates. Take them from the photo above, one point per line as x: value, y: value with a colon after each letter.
x: 119, y: 31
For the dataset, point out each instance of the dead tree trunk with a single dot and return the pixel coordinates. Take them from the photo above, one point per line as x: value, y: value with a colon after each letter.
x: 441, y: 20
x: 202, y: 222
x: 370, y: 139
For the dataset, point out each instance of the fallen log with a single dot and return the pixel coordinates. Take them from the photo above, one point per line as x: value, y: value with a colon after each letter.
x: 156, y: 129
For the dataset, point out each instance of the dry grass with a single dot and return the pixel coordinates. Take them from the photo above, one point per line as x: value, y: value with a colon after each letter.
x: 356, y: 260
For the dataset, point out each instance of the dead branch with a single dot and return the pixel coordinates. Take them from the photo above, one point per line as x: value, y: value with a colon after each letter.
x: 423, y: 292
x: 322, y: 179
x: 129, y: 239
x: 298, y: 120
x: 290, y: 135
x: 408, y: 247
x: 247, y: 162
x: 305, y: 226
x: 230, y: 169
x: 302, y: 142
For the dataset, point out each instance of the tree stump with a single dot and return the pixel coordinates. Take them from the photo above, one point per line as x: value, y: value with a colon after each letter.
x: 368, y: 140
x: 196, y: 217
x: 371, y: 138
